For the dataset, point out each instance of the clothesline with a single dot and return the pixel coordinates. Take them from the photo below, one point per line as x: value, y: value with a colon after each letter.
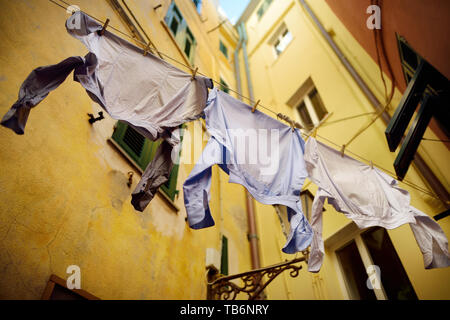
x: 162, y: 53
x: 347, y: 118
x: 410, y: 184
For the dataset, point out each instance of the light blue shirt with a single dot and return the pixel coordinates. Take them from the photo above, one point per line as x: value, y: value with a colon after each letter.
x: 276, y: 177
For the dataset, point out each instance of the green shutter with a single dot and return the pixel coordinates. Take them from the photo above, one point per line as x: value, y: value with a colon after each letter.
x: 142, y: 151
x: 181, y: 32
x: 223, y: 86
x: 169, y: 16
x: 224, y: 257
x: 134, y: 144
x: 170, y: 187
x: 223, y: 48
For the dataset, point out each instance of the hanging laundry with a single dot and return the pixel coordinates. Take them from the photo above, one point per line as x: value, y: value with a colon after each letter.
x: 370, y: 198
x: 146, y: 92
x: 40, y: 82
x: 259, y: 153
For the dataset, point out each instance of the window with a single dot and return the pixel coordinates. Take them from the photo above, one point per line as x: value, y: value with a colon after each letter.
x: 395, y: 280
x: 198, y: 5
x: 282, y: 40
x: 354, y: 272
x: 311, y: 110
x: 307, y: 199
x: 409, y: 59
x: 263, y: 8
x: 223, y: 49
x: 283, y: 213
x: 374, y: 248
x: 189, y: 43
x: 426, y: 87
x: 141, y: 151
x: 56, y: 289
x: 181, y: 32
x: 283, y: 216
x: 224, y: 86
x: 224, y: 257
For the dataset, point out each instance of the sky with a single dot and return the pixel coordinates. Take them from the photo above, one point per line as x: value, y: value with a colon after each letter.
x: 233, y: 8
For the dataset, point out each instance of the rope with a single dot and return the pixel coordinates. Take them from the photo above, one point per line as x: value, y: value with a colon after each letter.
x: 410, y: 184
x: 347, y: 118
x: 391, y: 95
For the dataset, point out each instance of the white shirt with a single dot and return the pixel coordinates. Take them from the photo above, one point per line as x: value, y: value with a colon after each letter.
x: 370, y: 198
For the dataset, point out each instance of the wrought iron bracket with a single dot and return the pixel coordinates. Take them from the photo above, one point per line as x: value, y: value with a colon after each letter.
x: 222, y: 287
x: 92, y: 119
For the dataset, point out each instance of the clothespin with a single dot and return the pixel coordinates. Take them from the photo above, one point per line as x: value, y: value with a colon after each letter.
x: 255, y: 105
x: 102, y: 32
x: 371, y: 164
x: 313, y: 134
x: 147, y: 48
x: 194, y: 73
x: 343, y: 150
x: 293, y: 125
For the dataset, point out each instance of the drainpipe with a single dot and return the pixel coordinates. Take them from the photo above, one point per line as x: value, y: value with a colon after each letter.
x: 236, y: 60
x: 247, y: 68
x: 420, y: 164
x: 250, y: 206
x: 362, y: 85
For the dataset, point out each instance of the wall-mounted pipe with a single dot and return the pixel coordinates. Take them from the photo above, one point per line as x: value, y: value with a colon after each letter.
x: 247, y: 67
x: 237, y: 71
x: 419, y: 162
x: 359, y: 81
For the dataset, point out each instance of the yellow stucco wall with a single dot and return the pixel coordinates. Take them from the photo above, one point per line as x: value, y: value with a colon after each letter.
x: 275, y: 80
x: 64, y: 198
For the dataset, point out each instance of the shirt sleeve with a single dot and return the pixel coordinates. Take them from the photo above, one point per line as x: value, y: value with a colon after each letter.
x: 317, y: 249
x: 431, y: 239
x: 39, y: 83
x: 196, y: 188
x: 155, y: 175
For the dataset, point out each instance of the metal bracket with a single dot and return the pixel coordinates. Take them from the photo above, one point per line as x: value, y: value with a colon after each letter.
x: 92, y: 119
x: 222, y: 287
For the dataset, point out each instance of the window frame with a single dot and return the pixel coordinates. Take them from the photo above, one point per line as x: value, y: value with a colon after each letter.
x: 306, y: 194
x: 198, y: 5
x: 223, y: 48
x: 311, y: 110
x: 380, y: 294
x: 281, y: 211
x: 57, y: 281
x: 353, y: 233
x: 224, y: 86
x: 224, y: 256
x: 148, y: 152
x: 263, y: 8
x: 278, y: 39
x: 183, y: 33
